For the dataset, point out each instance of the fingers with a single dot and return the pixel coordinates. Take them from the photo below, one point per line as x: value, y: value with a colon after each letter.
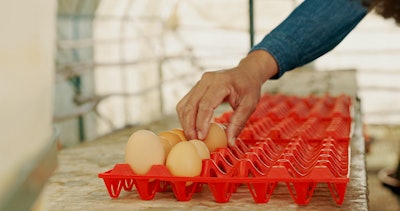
x: 187, y: 110
x: 196, y: 109
x: 187, y: 115
x: 211, y: 99
x: 239, y: 119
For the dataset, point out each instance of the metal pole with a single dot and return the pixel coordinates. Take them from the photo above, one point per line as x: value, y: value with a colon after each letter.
x: 251, y: 22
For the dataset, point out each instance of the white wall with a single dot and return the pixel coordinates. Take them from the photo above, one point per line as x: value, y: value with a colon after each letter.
x: 373, y: 49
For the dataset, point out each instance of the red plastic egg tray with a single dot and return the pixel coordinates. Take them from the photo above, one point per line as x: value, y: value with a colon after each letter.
x: 300, y: 141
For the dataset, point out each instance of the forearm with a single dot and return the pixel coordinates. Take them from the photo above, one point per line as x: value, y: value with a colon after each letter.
x: 311, y: 30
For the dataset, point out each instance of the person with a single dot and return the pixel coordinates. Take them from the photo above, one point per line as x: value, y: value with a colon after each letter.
x: 311, y: 30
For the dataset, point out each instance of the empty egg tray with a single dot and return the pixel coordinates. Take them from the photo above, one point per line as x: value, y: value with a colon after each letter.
x: 300, y: 141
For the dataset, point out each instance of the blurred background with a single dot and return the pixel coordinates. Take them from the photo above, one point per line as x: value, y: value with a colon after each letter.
x: 121, y: 63
x: 81, y: 69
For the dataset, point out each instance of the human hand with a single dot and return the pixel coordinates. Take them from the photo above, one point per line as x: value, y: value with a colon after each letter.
x: 239, y: 86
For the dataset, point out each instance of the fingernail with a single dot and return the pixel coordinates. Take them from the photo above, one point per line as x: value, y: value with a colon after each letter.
x: 200, y: 135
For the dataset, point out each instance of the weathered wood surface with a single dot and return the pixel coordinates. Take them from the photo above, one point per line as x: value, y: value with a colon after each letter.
x: 75, y: 185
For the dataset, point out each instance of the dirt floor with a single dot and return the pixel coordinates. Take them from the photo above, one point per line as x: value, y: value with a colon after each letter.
x: 384, y: 153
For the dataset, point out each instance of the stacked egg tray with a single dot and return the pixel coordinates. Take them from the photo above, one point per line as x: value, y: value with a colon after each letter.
x: 300, y: 141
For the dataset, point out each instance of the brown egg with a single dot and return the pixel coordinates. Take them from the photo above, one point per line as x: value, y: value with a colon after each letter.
x: 167, y: 146
x: 216, y: 137
x: 180, y: 132
x: 201, y: 148
x: 172, y: 138
x: 143, y: 150
x: 184, y: 160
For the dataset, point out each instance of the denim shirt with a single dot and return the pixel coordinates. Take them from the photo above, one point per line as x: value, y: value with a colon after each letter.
x: 311, y: 30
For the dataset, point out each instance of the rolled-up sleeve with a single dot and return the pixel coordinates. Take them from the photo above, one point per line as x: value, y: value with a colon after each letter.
x: 311, y: 30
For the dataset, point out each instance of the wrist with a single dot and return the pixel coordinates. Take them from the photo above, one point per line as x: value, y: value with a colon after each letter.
x: 262, y: 63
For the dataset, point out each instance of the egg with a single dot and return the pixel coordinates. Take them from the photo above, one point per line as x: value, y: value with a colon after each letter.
x: 216, y: 137
x: 143, y: 150
x: 184, y: 160
x: 172, y: 138
x: 180, y: 133
x: 167, y: 146
x: 201, y: 148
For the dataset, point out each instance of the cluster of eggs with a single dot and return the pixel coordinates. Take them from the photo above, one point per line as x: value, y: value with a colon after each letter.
x: 171, y: 148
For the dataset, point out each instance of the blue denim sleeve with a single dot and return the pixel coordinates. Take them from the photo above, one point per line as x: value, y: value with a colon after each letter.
x: 311, y: 30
